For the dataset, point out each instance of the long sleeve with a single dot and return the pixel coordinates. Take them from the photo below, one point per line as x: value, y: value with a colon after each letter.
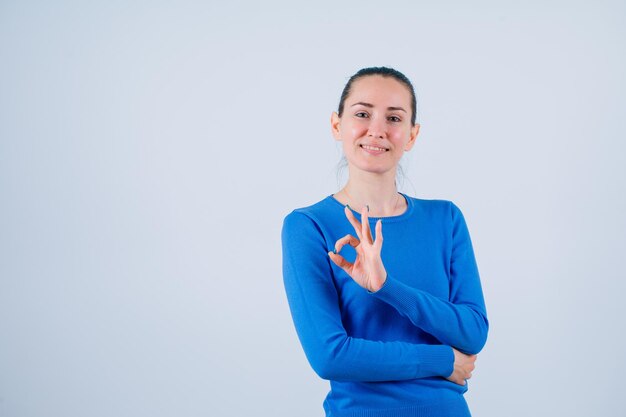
x: 314, y: 304
x: 461, y: 321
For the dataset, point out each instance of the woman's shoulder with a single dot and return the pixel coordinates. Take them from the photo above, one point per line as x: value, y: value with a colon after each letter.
x: 319, y: 218
x: 433, y: 204
x: 442, y: 209
x: 445, y: 211
x: 316, y: 211
x: 323, y: 205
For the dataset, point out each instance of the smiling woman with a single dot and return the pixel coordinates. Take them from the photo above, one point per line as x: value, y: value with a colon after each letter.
x: 394, y: 326
x: 377, y: 122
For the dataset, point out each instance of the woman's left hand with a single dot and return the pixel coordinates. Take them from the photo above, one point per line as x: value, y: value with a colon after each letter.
x: 367, y: 270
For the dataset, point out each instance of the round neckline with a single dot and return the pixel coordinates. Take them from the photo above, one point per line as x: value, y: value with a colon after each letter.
x: 386, y: 219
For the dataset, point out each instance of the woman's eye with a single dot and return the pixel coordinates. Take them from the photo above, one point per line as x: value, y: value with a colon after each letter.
x: 394, y: 119
x: 361, y: 114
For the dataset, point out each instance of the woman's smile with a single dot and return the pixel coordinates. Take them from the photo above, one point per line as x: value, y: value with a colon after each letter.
x: 373, y: 150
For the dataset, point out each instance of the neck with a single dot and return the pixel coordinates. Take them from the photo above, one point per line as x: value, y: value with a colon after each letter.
x: 378, y: 191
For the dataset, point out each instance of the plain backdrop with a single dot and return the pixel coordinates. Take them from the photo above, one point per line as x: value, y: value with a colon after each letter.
x: 149, y: 152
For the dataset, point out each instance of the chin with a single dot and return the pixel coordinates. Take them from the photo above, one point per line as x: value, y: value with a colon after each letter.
x: 372, y: 168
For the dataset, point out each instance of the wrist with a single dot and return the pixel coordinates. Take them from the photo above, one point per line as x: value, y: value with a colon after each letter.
x: 380, y: 283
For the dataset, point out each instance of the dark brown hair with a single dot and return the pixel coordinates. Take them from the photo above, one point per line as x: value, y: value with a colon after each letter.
x: 384, y: 72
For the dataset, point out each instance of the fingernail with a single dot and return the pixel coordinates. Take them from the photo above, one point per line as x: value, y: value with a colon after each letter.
x: 335, y: 251
x: 348, y: 205
x: 368, y: 207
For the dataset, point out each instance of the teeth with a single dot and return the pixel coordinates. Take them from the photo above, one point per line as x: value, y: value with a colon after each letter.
x: 373, y: 148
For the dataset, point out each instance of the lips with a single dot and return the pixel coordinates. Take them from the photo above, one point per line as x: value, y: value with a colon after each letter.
x: 373, y: 149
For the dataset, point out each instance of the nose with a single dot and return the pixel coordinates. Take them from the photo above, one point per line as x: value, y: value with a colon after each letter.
x: 376, y: 128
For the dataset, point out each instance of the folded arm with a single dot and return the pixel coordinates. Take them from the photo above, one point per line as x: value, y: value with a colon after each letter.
x: 462, y: 325
x: 314, y: 305
x: 461, y: 321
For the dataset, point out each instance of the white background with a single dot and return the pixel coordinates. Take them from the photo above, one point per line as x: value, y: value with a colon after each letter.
x: 150, y: 151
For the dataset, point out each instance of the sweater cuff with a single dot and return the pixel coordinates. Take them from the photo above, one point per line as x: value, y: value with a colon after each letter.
x: 436, y: 360
x: 396, y: 293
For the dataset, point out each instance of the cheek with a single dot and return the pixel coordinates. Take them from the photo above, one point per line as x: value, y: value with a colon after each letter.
x: 354, y: 133
x: 400, y: 136
x: 357, y: 130
x: 348, y: 147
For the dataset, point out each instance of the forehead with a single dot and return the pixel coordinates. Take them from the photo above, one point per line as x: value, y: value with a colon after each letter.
x: 376, y: 88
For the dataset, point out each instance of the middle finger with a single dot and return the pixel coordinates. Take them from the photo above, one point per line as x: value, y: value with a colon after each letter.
x: 365, y: 227
x: 354, y: 222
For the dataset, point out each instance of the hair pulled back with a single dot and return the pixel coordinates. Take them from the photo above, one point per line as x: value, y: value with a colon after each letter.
x: 384, y: 72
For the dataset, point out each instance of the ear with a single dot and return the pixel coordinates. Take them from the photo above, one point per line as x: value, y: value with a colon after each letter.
x: 334, y: 125
x: 414, y: 131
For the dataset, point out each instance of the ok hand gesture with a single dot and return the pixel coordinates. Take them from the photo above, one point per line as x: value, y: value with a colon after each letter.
x: 367, y: 270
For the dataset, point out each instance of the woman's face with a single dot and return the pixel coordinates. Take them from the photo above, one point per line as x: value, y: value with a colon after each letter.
x: 375, y: 126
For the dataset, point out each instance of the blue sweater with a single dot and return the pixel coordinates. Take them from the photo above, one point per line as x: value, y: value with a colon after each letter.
x: 386, y: 353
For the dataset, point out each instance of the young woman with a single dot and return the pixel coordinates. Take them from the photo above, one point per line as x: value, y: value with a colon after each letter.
x: 394, y: 323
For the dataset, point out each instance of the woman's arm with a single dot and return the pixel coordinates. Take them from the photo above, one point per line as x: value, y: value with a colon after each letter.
x: 460, y: 321
x: 314, y: 305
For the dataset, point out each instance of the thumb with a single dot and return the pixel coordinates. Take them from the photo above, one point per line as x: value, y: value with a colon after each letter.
x: 340, y: 261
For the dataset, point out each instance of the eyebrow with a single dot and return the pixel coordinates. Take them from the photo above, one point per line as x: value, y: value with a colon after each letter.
x: 362, y: 103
